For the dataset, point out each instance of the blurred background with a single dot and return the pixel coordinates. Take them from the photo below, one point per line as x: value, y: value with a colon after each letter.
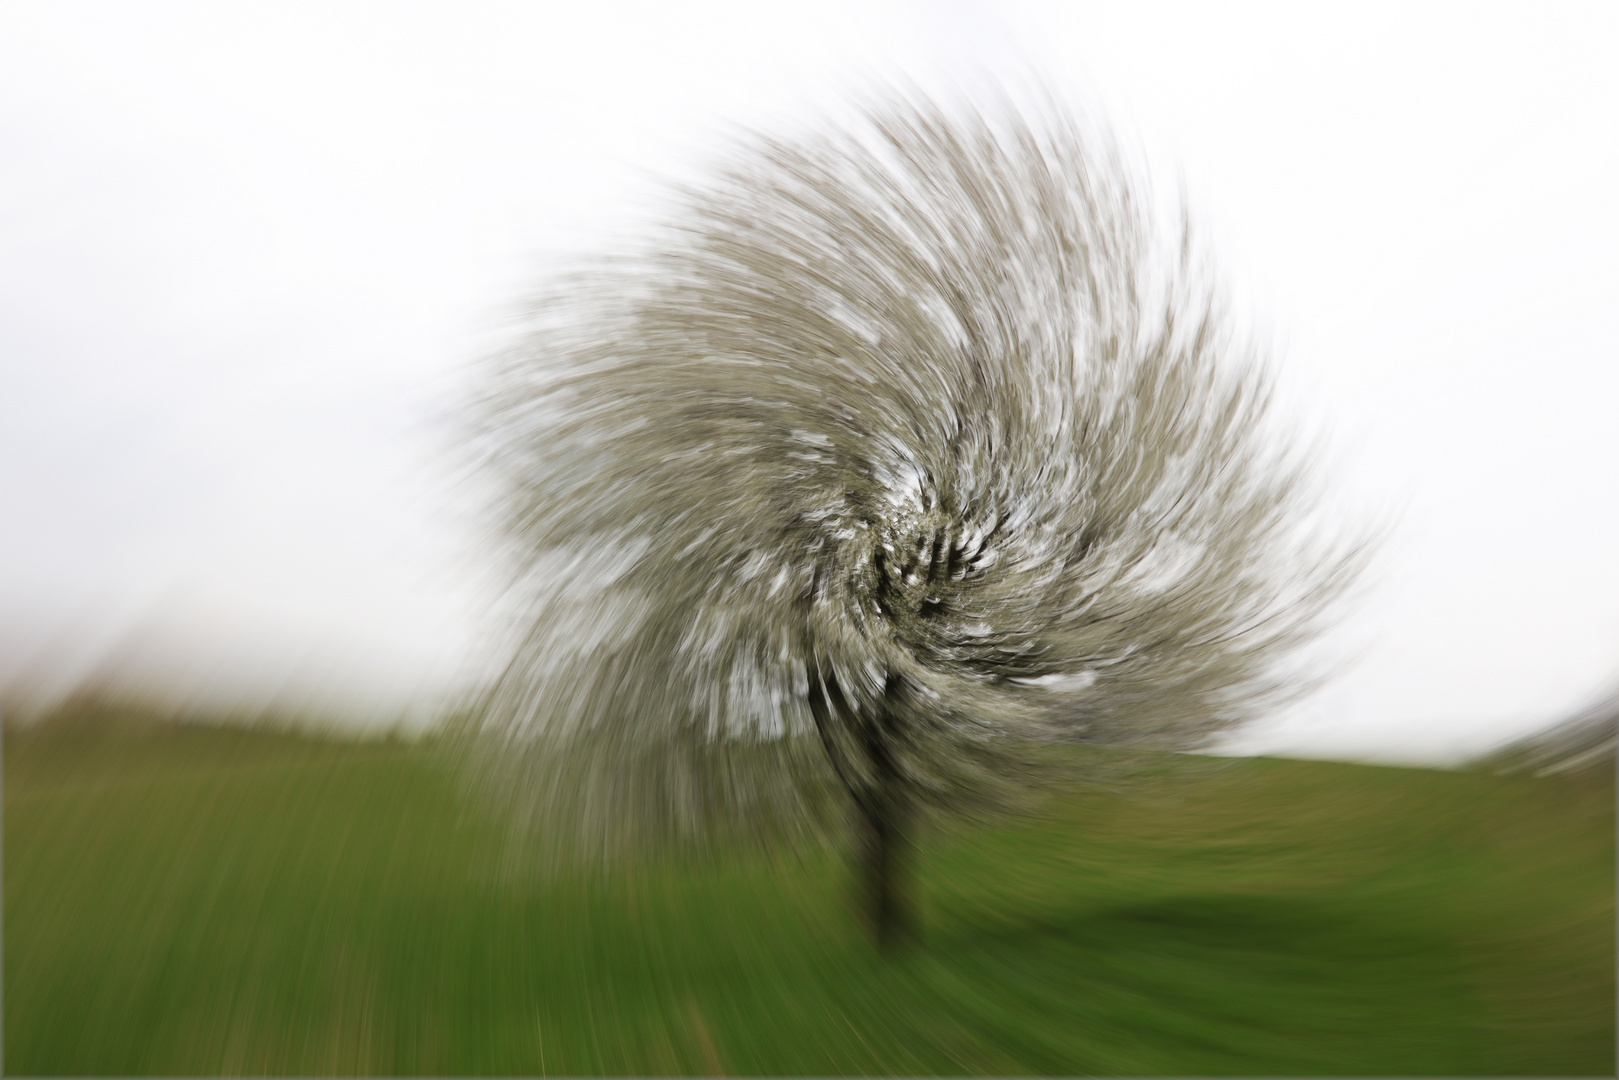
x: 247, y: 251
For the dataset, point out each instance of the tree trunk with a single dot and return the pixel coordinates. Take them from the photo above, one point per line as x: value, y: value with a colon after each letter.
x: 882, y: 804
x: 884, y: 865
x: 884, y: 810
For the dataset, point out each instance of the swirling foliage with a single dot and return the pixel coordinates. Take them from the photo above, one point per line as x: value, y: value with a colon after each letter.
x: 900, y: 451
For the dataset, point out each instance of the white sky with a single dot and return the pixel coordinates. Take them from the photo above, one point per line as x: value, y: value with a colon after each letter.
x: 245, y: 249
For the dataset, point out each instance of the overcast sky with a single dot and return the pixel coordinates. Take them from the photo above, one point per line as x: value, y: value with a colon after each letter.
x: 245, y: 251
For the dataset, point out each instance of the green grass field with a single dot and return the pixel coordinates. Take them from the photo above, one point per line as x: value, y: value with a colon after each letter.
x: 189, y: 901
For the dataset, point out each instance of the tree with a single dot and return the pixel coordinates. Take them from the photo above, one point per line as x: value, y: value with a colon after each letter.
x: 1585, y: 743
x: 899, y: 452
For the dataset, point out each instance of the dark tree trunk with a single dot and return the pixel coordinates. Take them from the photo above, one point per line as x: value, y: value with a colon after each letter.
x: 883, y: 868
x: 882, y: 804
x: 884, y: 813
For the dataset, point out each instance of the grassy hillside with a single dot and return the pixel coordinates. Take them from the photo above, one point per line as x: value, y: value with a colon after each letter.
x: 185, y: 901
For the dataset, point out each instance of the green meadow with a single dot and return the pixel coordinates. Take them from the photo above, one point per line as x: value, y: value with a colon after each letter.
x: 185, y: 900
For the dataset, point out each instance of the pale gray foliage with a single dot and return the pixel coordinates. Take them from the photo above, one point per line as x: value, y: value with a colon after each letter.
x: 1586, y: 742
x: 922, y: 420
